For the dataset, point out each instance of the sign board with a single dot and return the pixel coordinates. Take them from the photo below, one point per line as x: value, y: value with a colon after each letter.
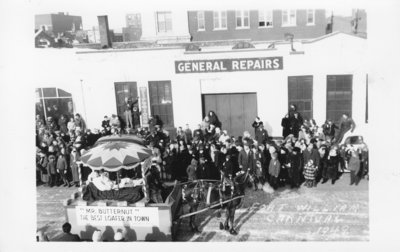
x: 144, y: 106
x: 229, y: 65
x: 117, y: 216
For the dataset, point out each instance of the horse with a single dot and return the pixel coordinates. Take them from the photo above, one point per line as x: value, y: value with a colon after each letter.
x: 215, y: 194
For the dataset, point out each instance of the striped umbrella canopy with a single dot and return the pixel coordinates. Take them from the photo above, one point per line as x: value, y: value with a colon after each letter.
x: 114, y: 155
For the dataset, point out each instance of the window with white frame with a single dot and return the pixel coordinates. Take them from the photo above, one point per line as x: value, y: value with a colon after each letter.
x: 310, y: 17
x: 265, y: 18
x: 289, y: 18
x: 200, y: 21
x: 220, y: 20
x: 242, y: 19
x: 164, y: 22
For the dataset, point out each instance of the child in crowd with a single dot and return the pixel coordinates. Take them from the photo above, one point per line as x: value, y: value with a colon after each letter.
x: 309, y: 173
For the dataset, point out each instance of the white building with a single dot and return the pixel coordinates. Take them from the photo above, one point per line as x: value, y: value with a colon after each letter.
x: 324, y: 78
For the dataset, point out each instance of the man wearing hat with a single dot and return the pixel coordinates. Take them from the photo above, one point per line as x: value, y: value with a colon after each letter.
x: 246, y: 158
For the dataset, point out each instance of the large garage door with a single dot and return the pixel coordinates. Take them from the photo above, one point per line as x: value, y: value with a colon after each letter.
x: 235, y: 111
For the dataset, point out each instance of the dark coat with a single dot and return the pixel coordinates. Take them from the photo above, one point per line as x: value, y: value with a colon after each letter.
x: 51, y: 166
x: 62, y: 163
x: 313, y: 155
x: 285, y: 123
x: 332, y: 167
x: 296, y: 166
x: 274, y: 168
x: 261, y: 135
x: 68, y: 237
x: 228, y: 169
x: 214, y: 120
x: 245, y: 160
x: 204, y: 171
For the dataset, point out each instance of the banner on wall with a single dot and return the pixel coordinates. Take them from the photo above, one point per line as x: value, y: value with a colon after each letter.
x: 144, y: 106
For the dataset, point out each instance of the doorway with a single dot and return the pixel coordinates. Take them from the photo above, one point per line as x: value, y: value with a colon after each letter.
x: 235, y: 111
x: 124, y: 90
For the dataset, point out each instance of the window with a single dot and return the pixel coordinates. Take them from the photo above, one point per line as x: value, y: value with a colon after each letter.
x: 300, y: 94
x: 164, y: 22
x: 310, y: 17
x: 289, y: 18
x: 219, y: 20
x: 242, y: 19
x: 161, y: 101
x: 338, y: 96
x: 53, y: 102
x: 200, y: 21
x: 134, y: 20
x: 265, y: 19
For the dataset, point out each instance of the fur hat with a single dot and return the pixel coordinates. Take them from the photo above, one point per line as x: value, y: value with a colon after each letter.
x: 118, y: 236
x: 96, y: 237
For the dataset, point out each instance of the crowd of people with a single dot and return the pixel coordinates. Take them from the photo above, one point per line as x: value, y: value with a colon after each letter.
x: 308, y: 153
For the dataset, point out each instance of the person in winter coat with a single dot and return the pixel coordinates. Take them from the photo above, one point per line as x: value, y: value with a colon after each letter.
x: 332, y: 165
x: 62, y: 122
x: 62, y: 167
x: 136, y: 116
x: 213, y: 119
x: 285, y: 123
x: 191, y: 170
x: 153, y: 179
x: 246, y: 159
x: 52, y: 170
x: 71, y: 126
x: 347, y: 127
x: 41, y: 165
x: 256, y: 124
x: 205, y: 124
x: 204, y: 169
x: 323, y: 163
x: 74, y: 157
x: 354, y: 166
x: 198, y: 134
x: 188, y: 135
x: 295, y: 167
x: 274, y: 169
x: 328, y: 128
x: 309, y: 173
x: 310, y: 153
x: 261, y: 135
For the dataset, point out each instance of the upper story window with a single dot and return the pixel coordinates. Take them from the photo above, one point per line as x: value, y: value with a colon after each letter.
x: 164, y: 22
x: 220, y: 20
x: 134, y: 20
x: 242, y: 19
x: 310, y: 17
x: 200, y: 21
x: 265, y: 18
x: 289, y: 18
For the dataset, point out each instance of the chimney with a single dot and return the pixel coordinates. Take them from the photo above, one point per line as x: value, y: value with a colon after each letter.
x: 105, y: 38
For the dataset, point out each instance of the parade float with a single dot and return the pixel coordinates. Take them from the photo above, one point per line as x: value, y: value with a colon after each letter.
x: 126, y: 207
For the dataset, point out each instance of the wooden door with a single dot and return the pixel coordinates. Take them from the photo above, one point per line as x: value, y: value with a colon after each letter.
x: 235, y: 111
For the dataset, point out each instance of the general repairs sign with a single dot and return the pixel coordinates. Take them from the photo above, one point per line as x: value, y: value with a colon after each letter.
x: 117, y: 216
x: 229, y: 65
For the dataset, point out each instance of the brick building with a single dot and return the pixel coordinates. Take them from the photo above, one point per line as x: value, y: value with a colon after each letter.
x: 58, y: 23
x: 257, y: 25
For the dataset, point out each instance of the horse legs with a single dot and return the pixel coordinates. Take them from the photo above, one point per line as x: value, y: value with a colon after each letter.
x: 192, y: 220
x: 231, y: 217
x: 226, y: 225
